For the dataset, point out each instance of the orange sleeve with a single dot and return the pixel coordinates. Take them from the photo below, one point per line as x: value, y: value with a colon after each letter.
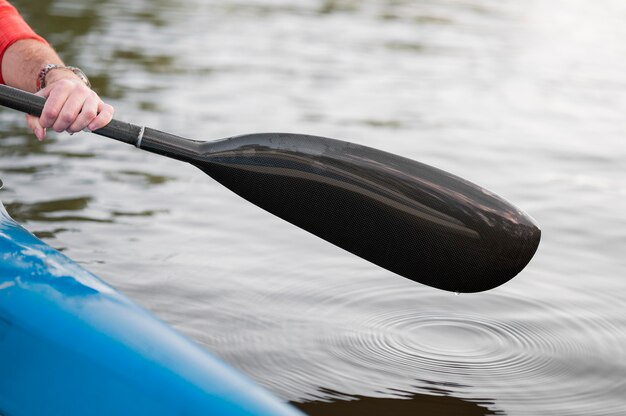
x: 13, y: 28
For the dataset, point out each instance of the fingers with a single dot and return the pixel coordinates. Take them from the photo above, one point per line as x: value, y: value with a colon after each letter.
x: 104, y: 117
x: 70, y: 106
x: 77, y: 116
x: 33, y: 124
x: 69, y: 112
x: 56, y: 95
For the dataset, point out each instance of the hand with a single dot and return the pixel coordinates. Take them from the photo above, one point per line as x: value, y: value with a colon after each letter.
x: 70, y: 106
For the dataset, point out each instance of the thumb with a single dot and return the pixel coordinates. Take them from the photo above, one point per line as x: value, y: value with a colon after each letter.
x: 44, y: 92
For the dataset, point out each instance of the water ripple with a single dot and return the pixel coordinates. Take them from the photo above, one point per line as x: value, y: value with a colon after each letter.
x: 464, y: 354
x: 526, y: 353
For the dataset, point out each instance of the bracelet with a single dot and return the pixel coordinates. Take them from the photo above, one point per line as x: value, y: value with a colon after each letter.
x: 41, y: 78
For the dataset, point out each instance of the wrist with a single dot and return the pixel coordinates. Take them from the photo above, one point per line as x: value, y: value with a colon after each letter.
x: 55, y: 76
x: 51, y: 73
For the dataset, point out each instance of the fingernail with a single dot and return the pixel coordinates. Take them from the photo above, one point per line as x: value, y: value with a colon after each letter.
x: 87, y: 130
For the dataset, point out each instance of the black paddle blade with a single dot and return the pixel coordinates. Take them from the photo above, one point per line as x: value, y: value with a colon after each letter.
x: 415, y: 220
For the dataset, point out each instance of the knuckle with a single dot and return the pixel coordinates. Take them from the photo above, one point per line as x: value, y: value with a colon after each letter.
x: 67, y: 119
x: 107, y: 110
x: 90, y: 114
x: 47, y: 117
x: 49, y: 113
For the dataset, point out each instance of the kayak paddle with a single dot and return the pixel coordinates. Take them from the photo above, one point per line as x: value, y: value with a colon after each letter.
x: 415, y: 220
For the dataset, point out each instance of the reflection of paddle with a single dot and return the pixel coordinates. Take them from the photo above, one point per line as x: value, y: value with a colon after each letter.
x: 405, y: 404
x: 415, y: 220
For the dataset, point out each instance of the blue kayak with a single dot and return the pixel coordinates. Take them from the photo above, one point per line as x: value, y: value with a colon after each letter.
x: 71, y: 345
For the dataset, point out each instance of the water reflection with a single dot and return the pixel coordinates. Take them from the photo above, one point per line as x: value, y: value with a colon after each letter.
x: 51, y: 211
x: 63, y: 23
x: 150, y: 64
x: 409, y: 405
x: 138, y: 177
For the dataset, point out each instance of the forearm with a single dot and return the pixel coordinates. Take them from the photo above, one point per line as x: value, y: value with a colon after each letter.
x: 70, y: 103
x: 24, y: 59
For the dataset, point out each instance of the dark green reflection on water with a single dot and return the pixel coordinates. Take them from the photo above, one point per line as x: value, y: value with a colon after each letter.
x: 57, y: 211
x: 48, y: 211
x: 62, y: 25
x: 406, y: 46
x: 155, y: 64
x: 137, y: 177
x: 50, y: 234
x: 19, y: 142
x: 335, y: 6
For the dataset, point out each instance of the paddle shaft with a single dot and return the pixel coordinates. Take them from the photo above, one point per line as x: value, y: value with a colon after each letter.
x: 146, y: 138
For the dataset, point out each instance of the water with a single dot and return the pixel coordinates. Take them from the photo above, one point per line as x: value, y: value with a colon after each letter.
x: 524, y: 98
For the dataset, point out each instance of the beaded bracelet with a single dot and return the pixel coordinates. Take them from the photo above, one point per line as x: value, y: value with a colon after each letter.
x: 41, y: 78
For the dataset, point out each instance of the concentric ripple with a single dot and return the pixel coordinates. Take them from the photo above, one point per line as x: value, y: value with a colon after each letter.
x: 524, y: 362
x: 441, y: 343
x: 507, y: 354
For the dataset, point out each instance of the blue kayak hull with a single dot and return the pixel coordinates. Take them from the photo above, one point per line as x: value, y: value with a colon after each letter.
x: 71, y: 345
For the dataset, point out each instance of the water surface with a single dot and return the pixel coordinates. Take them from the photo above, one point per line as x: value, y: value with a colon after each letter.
x: 524, y: 98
